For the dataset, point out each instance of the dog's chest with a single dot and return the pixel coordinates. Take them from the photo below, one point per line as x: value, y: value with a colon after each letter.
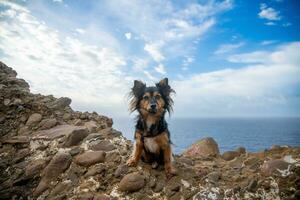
x: 151, y: 144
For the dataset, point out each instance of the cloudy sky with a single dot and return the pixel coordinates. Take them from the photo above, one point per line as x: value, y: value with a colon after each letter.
x: 223, y: 58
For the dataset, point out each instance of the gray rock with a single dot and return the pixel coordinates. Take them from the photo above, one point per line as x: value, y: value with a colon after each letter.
x: 132, y: 182
x: 272, y: 167
x: 61, y: 103
x: 34, y: 119
x: 47, y: 123
x: 214, y: 177
x: 91, y: 126
x: 252, y: 186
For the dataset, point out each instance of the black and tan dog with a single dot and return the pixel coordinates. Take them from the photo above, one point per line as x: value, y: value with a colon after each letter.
x: 152, y: 137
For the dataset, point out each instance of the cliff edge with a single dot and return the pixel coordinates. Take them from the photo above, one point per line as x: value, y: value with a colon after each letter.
x: 49, y: 151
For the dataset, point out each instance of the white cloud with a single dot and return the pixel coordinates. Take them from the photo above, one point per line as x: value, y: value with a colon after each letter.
x: 160, y: 69
x: 268, y: 13
x: 128, y: 36
x: 154, y: 50
x: 268, y: 42
x: 263, y: 89
x: 80, y: 31
x: 270, y: 23
x: 63, y: 65
x: 149, y: 75
x: 59, y: 1
x: 287, y: 24
x: 226, y: 48
x: 166, y: 29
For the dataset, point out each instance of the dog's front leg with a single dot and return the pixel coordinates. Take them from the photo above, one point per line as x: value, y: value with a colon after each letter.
x: 168, y: 161
x: 137, y: 152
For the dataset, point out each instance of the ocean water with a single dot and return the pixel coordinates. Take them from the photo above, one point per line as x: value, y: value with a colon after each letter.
x: 255, y: 134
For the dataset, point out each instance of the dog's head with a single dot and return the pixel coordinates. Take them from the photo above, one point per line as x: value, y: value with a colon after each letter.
x: 155, y: 100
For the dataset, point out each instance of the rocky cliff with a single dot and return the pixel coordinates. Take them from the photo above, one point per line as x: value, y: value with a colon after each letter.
x: 49, y: 151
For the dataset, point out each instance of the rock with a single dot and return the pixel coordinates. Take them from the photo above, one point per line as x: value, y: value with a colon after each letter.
x: 76, y: 136
x: 97, y: 169
x: 273, y: 167
x: 91, y: 126
x: 17, y: 140
x: 74, y: 151
x: 159, y: 186
x: 186, y: 161
x: 241, y: 150
x: 60, y: 189
x: 213, y: 177
x: 35, y: 167
x: 121, y: 170
x: 230, y: 155
x: 34, y: 119
x: 103, y: 145
x: 101, y: 197
x: 205, y: 148
x: 59, y: 163
x: 57, y: 132
x: 61, y: 103
x: 132, y: 182
x: 90, y: 158
x: 47, y: 123
x: 252, y: 186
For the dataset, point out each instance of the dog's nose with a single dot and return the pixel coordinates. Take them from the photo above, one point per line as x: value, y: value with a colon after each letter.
x: 153, y: 106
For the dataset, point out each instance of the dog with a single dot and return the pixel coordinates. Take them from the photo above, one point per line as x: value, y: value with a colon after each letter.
x: 152, y: 137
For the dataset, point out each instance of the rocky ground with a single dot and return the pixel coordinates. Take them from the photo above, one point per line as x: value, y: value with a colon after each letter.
x: 49, y: 151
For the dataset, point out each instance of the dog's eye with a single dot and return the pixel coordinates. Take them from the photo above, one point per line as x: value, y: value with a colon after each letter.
x: 146, y: 97
x: 157, y: 97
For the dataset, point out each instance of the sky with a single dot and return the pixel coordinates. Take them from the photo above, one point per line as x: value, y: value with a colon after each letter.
x: 223, y: 58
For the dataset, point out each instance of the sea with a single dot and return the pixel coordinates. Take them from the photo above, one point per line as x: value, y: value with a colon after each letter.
x: 255, y: 134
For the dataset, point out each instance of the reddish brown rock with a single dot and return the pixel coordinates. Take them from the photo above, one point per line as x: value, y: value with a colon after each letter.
x: 59, y: 163
x: 90, y: 158
x: 57, y: 132
x: 205, y: 147
x: 230, y: 155
x: 132, y: 182
x: 103, y: 145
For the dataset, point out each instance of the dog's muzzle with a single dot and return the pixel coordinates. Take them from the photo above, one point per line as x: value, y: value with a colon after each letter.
x: 152, y: 109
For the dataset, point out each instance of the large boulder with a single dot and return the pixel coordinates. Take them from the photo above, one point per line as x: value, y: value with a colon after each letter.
x: 205, y: 147
x: 59, y: 131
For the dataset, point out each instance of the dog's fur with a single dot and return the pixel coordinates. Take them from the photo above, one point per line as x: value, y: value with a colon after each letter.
x: 152, y: 137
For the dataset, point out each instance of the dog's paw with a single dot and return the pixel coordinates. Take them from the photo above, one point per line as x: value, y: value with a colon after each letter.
x: 170, y: 173
x: 131, y: 162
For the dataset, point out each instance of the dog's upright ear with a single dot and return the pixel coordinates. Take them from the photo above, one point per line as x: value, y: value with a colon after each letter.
x: 166, y: 90
x: 164, y: 87
x: 136, y: 94
x: 138, y: 88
